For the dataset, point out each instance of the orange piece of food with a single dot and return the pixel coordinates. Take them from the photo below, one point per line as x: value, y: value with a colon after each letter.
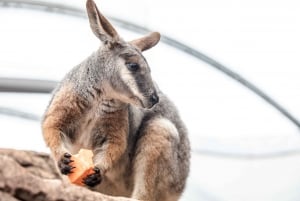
x: 83, y: 164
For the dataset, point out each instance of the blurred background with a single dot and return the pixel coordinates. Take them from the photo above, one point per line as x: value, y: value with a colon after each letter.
x: 232, y: 68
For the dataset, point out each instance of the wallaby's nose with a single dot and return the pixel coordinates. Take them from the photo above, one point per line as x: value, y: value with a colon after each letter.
x: 154, y: 99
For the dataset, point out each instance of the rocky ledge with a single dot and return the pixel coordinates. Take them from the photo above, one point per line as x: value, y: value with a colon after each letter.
x: 32, y: 176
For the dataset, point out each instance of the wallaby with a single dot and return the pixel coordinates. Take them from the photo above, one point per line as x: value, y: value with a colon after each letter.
x: 109, y: 104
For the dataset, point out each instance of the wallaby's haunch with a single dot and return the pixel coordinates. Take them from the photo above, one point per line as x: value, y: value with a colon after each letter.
x: 110, y: 105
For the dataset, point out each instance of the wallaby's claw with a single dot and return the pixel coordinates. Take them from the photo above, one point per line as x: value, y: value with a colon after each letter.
x: 67, y: 155
x: 93, y: 179
x: 64, y: 164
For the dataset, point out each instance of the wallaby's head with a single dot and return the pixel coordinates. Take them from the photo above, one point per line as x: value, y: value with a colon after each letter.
x: 127, y: 73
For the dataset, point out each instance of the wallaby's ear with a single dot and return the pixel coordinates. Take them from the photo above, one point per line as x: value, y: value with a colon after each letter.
x: 100, y: 25
x: 146, y: 42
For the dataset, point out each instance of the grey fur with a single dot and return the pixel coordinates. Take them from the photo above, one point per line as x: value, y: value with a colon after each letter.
x: 103, y: 90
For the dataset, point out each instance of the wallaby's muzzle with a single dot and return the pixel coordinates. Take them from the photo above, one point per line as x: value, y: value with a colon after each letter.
x: 150, y: 101
x: 154, y: 99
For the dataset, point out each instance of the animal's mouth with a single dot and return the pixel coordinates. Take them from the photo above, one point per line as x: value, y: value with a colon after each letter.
x: 138, y: 102
x: 142, y: 103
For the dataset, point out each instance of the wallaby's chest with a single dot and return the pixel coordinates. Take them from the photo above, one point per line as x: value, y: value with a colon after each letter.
x: 87, y: 128
x: 93, y: 125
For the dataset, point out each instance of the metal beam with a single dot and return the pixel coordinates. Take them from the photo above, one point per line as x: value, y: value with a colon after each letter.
x: 21, y: 85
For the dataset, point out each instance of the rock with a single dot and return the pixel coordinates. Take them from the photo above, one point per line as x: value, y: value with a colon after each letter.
x: 32, y: 176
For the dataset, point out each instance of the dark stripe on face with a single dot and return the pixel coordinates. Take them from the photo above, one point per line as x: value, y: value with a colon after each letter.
x: 144, y: 83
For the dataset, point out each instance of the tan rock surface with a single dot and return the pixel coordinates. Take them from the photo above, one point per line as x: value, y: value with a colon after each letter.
x: 31, y: 176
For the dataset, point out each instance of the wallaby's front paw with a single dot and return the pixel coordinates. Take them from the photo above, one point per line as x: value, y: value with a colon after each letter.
x: 93, y: 179
x: 64, y: 164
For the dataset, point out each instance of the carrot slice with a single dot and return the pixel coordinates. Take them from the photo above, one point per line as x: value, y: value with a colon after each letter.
x: 83, y: 164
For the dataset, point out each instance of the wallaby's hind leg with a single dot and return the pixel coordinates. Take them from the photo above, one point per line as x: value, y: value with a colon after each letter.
x: 156, y: 163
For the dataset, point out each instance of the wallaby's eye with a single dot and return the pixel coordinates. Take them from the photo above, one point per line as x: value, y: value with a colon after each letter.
x: 133, y: 66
